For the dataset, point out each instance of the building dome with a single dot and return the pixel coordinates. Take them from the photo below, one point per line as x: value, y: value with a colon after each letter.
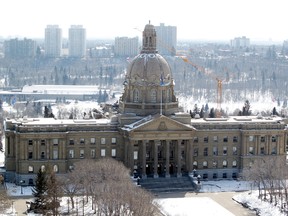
x: 148, y: 85
x: 150, y: 68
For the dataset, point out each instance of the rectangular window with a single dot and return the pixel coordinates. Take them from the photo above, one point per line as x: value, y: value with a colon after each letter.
x: 103, y: 141
x: 30, y: 155
x: 82, y: 141
x: 135, y: 155
x: 215, y: 138
x: 113, y: 153
x: 225, y: 139
x: 55, y: 154
x: 251, y: 150
x: 81, y: 154
x: 251, y: 138
x: 71, y: 153
x: 71, y: 142
x: 195, y: 151
x: 274, y: 138
x: 55, y: 141
x: 235, y: 139
x: 30, y: 142
x: 113, y: 141
x: 224, y: 150
x: 215, y: 151
x: 195, y: 140
x: 234, y: 149
x: 43, y: 142
x: 205, y: 152
x: 262, y: 150
x: 30, y: 169
x: 92, y: 141
x: 42, y: 155
x: 206, y: 139
x: 262, y: 139
x: 103, y: 152
x: 93, y: 153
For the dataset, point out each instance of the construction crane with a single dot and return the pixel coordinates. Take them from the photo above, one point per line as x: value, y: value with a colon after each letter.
x: 219, y: 82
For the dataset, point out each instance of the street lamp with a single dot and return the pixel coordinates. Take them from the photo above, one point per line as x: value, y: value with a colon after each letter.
x: 21, y: 182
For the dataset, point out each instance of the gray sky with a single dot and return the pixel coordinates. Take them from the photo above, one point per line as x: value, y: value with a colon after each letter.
x: 195, y: 19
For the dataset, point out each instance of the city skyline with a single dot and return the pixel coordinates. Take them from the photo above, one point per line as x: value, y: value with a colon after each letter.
x: 195, y: 20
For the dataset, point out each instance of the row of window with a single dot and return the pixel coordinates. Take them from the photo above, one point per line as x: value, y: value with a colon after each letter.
x: 215, y: 139
x: 215, y: 175
x: 31, y: 168
x: 215, y: 151
x: 153, y: 96
x: 214, y: 164
x: 71, y: 153
x: 82, y: 141
x: 234, y: 139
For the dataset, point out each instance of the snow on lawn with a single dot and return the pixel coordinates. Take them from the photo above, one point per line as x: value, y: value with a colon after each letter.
x: 185, y: 206
x: 191, y: 206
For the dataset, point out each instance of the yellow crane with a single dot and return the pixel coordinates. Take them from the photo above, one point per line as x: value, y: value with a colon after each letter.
x: 219, y: 83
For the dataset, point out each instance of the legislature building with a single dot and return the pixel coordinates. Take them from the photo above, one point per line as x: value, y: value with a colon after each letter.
x: 149, y: 133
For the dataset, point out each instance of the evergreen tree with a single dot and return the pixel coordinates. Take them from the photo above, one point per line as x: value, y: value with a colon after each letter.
x: 39, y: 191
x: 54, y: 192
x: 212, y: 113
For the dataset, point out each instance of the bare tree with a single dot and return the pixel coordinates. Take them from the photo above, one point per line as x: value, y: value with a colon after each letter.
x: 108, y: 183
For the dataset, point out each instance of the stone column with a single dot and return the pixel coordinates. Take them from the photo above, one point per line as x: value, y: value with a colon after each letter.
x: 131, y: 156
x: 179, y: 158
x: 190, y: 156
x: 167, y: 162
x: 156, y: 159
x: 143, y: 162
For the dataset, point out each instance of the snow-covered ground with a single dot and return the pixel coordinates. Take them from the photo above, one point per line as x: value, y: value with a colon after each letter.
x: 183, y: 206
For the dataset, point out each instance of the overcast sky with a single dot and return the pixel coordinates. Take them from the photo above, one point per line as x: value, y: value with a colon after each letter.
x: 195, y: 19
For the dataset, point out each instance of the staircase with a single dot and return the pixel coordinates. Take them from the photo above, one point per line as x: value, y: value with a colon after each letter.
x: 167, y: 185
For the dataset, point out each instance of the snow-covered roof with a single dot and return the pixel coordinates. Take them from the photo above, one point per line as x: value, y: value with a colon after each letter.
x: 61, y: 89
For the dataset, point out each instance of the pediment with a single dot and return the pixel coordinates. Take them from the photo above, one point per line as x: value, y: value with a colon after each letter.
x: 160, y: 123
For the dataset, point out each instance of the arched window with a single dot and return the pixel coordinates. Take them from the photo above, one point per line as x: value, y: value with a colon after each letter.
x: 153, y: 96
x: 55, y: 168
x: 136, y: 95
x: 43, y: 168
x: 30, y: 169
x: 195, y: 165
x: 224, y: 164
x: 234, y: 163
x: 169, y: 97
x: 205, y: 164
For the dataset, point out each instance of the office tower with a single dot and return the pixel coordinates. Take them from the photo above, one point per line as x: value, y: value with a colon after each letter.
x: 15, y: 48
x: 240, y: 42
x: 125, y: 46
x: 53, y: 41
x: 166, y: 39
x: 77, y: 41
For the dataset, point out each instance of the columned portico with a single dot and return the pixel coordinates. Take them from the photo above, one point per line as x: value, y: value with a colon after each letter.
x: 143, y: 162
x: 179, y: 158
x: 155, y: 158
x: 167, y: 158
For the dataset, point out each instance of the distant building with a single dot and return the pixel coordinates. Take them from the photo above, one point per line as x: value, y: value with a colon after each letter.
x: 166, y: 39
x: 100, y: 52
x: 285, y: 47
x: 15, y: 48
x: 240, y: 42
x: 77, y: 41
x: 53, y: 41
x: 125, y: 46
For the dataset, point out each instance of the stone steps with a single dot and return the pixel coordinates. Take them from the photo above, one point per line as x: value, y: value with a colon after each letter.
x: 172, y: 184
